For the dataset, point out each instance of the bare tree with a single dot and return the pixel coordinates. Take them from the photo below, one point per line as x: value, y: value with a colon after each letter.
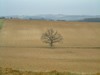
x: 51, y: 37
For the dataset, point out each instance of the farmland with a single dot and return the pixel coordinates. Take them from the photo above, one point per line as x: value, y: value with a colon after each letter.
x: 27, y: 33
x: 21, y: 46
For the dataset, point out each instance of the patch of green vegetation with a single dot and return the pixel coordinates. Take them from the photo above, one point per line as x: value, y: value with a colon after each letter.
x: 69, y: 52
x: 1, y: 23
x: 52, y: 47
x: 81, y: 47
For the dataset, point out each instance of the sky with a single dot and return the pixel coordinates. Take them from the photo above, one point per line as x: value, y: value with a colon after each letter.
x: 36, y: 7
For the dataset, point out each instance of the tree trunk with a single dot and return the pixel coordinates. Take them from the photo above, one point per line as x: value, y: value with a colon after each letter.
x: 51, y: 44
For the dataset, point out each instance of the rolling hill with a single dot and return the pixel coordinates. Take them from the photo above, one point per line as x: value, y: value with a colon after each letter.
x: 27, y: 33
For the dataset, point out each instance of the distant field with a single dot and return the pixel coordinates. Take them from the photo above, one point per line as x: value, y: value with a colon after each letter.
x: 27, y: 33
x: 21, y: 47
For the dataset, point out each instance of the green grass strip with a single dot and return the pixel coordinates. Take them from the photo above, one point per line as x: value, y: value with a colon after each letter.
x: 1, y: 23
x: 80, y: 47
x: 50, y: 47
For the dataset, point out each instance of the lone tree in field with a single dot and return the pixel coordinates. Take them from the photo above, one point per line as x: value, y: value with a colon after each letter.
x: 50, y: 37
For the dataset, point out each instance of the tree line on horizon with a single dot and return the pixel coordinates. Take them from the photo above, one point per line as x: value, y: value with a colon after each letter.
x: 44, y: 19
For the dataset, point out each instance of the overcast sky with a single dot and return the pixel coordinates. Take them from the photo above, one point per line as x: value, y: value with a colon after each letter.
x: 35, y: 7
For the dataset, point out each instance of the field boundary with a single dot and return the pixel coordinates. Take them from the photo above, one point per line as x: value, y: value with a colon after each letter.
x: 52, y: 48
x: 10, y: 71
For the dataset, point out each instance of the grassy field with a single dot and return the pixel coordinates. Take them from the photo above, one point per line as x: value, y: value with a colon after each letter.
x: 21, y: 47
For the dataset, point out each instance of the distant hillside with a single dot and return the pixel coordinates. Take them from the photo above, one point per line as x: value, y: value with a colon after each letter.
x: 58, y: 17
x: 92, y: 20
